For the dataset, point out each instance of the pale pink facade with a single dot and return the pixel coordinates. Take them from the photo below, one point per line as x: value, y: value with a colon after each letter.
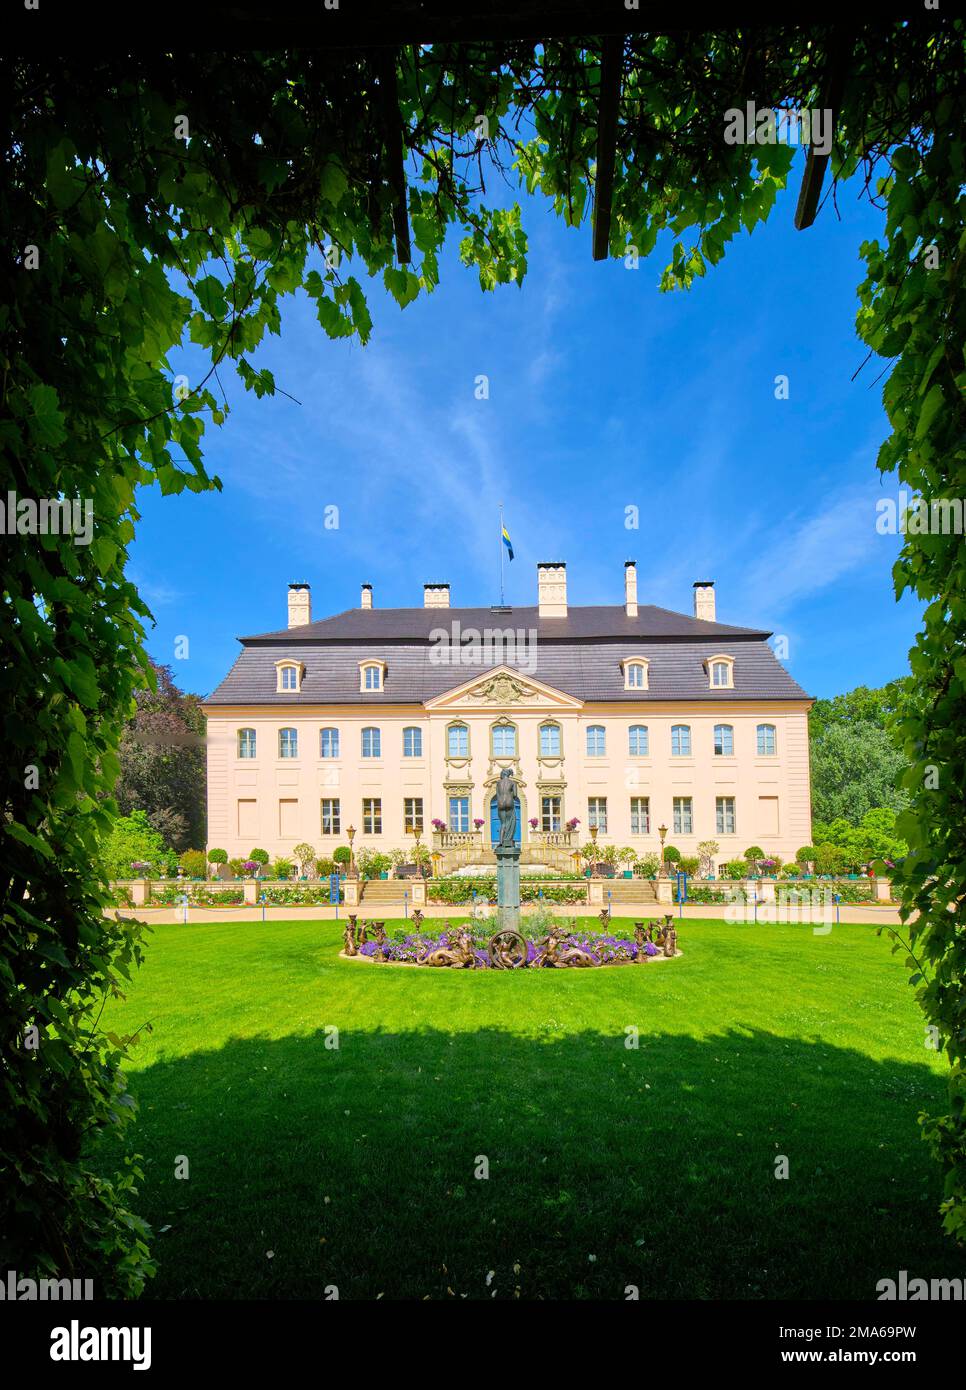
x: 276, y: 803
x: 717, y: 762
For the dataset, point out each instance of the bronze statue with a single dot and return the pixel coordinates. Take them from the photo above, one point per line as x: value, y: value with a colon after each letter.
x: 506, y: 796
x: 349, y: 937
x: 548, y: 950
x: 417, y: 919
x: 576, y: 955
x: 604, y: 915
x: 458, y: 957
x: 507, y: 950
x: 671, y: 943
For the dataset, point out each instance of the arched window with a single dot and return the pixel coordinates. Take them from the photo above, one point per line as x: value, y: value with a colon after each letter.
x: 637, y: 741
x: 766, y: 741
x: 724, y: 740
x: 246, y: 743
x: 503, y: 740
x: 328, y: 743
x: 550, y: 741
x: 457, y: 741
x: 372, y: 675
x: 288, y: 675
x: 635, y: 672
x: 288, y: 743
x: 596, y: 741
x: 721, y: 672
x: 680, y: 741
x: 412, y: 742
x: 371, y: 743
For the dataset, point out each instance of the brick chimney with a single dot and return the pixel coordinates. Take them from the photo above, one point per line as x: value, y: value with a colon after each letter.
x: 366, y: 600
x: 552, y: 589
x: 299, y: 605
x: 435, y: 595
x: 630, y: 588
x: 704, y: 600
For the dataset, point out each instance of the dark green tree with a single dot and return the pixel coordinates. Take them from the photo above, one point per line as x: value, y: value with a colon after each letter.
x: 162, y: 762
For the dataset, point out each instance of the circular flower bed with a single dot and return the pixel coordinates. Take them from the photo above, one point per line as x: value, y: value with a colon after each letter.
x: 471, y: 947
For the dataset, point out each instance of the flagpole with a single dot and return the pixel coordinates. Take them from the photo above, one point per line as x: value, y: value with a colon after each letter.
x: 501, y: 555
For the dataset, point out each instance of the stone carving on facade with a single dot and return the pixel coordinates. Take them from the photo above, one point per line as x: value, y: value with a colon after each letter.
x: 504, y: 690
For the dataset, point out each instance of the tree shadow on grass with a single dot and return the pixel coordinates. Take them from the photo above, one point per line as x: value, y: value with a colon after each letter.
x: 355, y: 1167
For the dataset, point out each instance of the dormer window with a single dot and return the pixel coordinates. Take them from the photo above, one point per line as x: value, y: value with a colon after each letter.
x: 288, y: 676
x: 635, y: 672
x: 372, y: 676
x: 721, y: 672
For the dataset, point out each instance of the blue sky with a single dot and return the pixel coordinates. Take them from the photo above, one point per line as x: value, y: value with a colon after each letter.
x: 604, y: 394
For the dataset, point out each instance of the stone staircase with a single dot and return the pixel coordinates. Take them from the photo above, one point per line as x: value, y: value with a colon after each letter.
x: 384, y: 892
x: 629, y: 890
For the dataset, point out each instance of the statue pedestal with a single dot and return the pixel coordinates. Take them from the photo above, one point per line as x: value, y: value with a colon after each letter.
x: 508, y: 886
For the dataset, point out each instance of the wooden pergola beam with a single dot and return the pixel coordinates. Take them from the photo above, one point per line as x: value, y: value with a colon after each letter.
x: 612, y: 53
x: 384, y: 61
x: 815, y: 163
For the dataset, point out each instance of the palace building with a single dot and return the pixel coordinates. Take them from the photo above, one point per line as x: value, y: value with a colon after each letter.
x: 622, y: 718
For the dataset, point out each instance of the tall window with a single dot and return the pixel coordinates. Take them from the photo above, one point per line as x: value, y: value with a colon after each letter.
x: 331, y: 816
x: 504, y: 740
x: 637, y: 740
x: 682, y: 815
x: 597, y: 813
x: 634, y: 676
x: 328, y: 743
x: 288, y: 743
x: 724, y: 740
x: 721, y: 673
x: 550, y: 813
x: 640, y: 815
x: 550, y: 740
x: 371, y: 743
x: 457, y: 741
x: 412, y: 743
x: 596, y: 741
x: 459, y: 813
x: 246, y: 743
x: 371, y: 815
x: 766, y: 740
x: 724, y: 812
x: 372, y: 677
x: 680, y: 741
x: 412, y: 814
x: 290, y: 678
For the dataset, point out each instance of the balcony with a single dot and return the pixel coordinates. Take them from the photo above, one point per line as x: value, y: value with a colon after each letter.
x: 554, y: 839
x: 458, y: 839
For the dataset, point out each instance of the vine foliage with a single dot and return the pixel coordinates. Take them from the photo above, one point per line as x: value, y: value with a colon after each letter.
x: 160, y: 198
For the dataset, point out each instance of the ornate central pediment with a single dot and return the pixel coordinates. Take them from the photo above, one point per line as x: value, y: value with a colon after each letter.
x: 503, y: 688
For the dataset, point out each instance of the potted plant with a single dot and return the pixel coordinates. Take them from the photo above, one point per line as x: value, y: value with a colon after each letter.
x: 305, y: 855
x: 250, y: 868
x: 573, y: 824
x: 626, y: 855
x: 533, y: 822
x: 438, y: 824
x: 217, y: 857
x: 477, y: 823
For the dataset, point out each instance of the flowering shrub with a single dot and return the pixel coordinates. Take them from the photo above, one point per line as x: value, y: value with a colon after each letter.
x: 461, y: 890
x: 171, y: 895
x: 285, y: 897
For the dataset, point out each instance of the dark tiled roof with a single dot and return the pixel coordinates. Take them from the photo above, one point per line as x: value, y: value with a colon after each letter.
x: 588, y: 669
x: 603, y: 622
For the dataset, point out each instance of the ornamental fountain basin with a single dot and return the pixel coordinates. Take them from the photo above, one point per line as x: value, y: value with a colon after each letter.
x: 474, y: 946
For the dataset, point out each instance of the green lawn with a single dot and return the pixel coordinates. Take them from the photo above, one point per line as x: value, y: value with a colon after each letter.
x: 608, y: 1166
